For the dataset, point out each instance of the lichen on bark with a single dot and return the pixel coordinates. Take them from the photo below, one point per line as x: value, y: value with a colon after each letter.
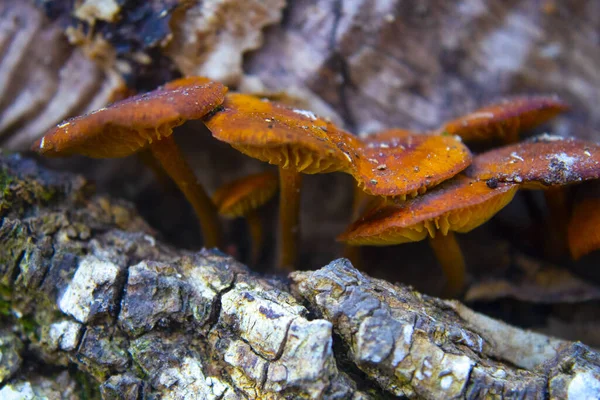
x: 88, y: 286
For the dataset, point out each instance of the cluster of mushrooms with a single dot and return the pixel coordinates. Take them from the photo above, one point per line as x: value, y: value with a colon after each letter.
x: 410, y: 186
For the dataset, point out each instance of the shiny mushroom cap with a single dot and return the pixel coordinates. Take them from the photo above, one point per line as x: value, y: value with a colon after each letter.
x: 246, y: 194
x: 505, y: 120
x: 127, y: 126
x: 399, y: 163
x: 459, y: 205
x: 284, y: 136
x: 540, y: 162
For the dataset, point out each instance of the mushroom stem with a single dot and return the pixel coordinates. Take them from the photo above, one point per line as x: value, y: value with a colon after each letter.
x: 256, y: 234
x: 146, y: 157
x: 450, y: 257
x: 352, y: 253
x: 290, y: 182
x: 167, y: 153
x: 557, y: 220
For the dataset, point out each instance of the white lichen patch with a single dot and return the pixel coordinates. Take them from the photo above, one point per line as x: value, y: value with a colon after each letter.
x: 516, y: 156
x: 402, y: 344
x: 92, y: 273
x: 188, y: 381
x: 202, y: 295
x: 240, y: 356
x: 17, y: 391
x: 584, y: 385
x: 306, y: 357
x: 446, y: 382
x: 427, y: 365
x: 91, y: 10
x: 64, y: 335
x: 305, y: 113
x: 264, y: 323
x: 546, y: 137
x: 564, y: 158
x: 561, y: 167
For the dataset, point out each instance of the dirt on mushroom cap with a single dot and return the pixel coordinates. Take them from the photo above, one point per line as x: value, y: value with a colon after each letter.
x: 459, y: 205
x: 398, y: 163
x: 540, y: 162
x: 126, y: 126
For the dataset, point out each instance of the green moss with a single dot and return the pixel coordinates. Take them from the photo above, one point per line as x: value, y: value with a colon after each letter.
x: 5, y: 292
x: 87, y: 390
x: 5, y: 308
x: 15, y: 242
x: 45, y: 194
x: 6, y: 181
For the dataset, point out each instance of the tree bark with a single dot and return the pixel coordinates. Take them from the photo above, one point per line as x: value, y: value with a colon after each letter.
x: 86, y: 283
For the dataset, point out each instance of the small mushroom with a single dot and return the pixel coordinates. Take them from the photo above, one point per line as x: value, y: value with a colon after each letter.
x: 459, y: 205
x: 583, y: 230
x: 242, y: 197
x: 146, y: 121
x: 295, y: 140
x: 543, y: 162
x: 505, y: 120
x: 399, y: 163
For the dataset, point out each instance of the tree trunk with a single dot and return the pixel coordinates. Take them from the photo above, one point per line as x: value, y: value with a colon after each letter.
x: 85, y: 282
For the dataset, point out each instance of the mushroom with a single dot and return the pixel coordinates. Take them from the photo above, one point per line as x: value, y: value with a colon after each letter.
x: 543, y: 162
x: 505, y: 120
x: 146, y: 121
x: 399, y: 163
x: 459, y: 205
x: 295, y: 140
x: 540, y: 162
x: 583, y: 233
x: 242, y: 197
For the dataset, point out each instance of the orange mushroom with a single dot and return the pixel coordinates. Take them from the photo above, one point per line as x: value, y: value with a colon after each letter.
x: 583, y: 231
x: 300, y: 142
x: 295, y: 140
x: 399, y: 163
x: 543, y: 162
x: 242, y: 197
x: 505, y: 120
x: 540, y: 162
x: 459, y: 205
x: 147, y: 120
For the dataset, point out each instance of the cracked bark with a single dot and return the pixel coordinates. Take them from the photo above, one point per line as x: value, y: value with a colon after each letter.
x: 86, y: 283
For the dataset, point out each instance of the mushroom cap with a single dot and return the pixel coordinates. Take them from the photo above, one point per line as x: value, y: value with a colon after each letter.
x: 459, y: 205
x: 540, y: 162
x: 506, y: 119
x: 400, y: 163
x: 582, y: 232
x: 283, y: 136
x: 246, y: 194
x: 127, y: 126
